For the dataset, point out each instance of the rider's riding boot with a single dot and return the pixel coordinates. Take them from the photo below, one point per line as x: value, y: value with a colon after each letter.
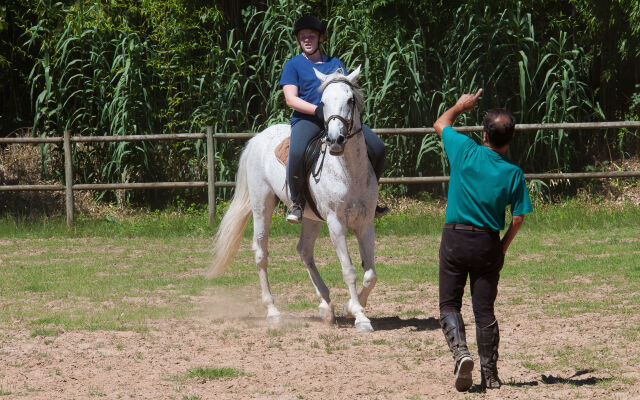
x: 381, y: 211
x: 488, y: 339
x: 453, y: 329
x: 295, y: 214
x: 296, y: 184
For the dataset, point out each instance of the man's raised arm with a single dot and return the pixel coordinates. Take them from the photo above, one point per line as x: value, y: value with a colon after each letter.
x: 466, y: 102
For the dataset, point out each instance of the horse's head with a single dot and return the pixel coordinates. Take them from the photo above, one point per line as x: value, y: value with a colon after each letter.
x: 342, y: 101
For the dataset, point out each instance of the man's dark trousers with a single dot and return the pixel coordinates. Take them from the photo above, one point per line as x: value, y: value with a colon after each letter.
x: 479, y: 255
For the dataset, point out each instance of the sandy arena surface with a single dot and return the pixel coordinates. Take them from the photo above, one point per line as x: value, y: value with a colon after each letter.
x: 406, y: 358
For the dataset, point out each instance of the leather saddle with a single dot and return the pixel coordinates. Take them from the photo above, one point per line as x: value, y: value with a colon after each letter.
x: 310, y: 163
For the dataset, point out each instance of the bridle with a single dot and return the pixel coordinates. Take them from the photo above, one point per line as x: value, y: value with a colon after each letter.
x: 348, y: 123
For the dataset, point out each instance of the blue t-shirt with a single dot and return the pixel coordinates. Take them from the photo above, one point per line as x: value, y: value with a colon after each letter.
x: 482, y: 183
x: 299, y: 71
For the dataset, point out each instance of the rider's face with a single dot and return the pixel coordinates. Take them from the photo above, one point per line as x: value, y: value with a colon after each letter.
x: 309, y: 40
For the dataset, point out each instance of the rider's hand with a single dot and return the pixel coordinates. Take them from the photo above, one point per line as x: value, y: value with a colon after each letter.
x: 319, y: 113
x: 466, y: 102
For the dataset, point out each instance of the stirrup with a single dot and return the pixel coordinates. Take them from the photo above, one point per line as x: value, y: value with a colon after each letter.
x: 295, y: 214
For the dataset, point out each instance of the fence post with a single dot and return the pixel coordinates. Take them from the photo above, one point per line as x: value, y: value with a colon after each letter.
x: 68, y: 177
x: 211, y: 175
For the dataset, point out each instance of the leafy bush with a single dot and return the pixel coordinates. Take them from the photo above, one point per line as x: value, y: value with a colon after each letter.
x: 134, y: 68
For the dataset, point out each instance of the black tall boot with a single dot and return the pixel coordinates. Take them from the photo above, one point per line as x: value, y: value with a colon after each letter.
x: 488, y: 340
x: 453, y: 329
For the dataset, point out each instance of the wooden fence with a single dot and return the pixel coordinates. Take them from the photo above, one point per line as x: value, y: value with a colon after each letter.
x: 212, y: 184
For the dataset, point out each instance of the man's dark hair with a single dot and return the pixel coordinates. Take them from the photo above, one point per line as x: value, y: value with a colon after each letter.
x: 500, y: 126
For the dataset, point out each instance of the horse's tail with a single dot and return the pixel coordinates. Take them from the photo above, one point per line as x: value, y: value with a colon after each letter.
x: 234, y: 222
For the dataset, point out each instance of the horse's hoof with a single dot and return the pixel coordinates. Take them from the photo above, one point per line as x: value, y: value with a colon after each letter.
x: 364, y: 327
x: 275, y: 319
x: 345, y: 310
x: 327, y: 315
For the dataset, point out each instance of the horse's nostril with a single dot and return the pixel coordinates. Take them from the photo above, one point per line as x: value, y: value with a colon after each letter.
x: 341, y: 139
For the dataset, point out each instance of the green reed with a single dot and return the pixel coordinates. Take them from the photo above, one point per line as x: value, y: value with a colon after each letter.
x: 120, y: 69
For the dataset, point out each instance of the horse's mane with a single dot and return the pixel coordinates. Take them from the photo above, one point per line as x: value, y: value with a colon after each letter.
x: 339, y: 76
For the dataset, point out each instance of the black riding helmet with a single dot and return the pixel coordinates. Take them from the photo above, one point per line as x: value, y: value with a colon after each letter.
x: 308, y: 22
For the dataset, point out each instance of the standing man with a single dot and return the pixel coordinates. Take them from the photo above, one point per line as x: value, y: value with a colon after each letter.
x: 482, y: 183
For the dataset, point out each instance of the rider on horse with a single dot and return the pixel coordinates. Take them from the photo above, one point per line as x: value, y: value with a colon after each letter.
x: 300, y: 86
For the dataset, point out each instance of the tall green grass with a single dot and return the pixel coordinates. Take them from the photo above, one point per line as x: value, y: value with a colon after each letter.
x: 102, y: 71
x: 179, y: 66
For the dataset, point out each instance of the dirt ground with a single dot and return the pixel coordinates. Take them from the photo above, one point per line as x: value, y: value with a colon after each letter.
x: 405, y: 358
x: 584, y: 356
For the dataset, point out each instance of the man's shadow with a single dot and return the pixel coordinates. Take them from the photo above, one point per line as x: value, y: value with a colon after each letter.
x: 553, y: 380
x: 392, y: 323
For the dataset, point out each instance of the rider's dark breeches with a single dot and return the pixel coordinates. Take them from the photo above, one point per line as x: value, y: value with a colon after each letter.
x: 375, y: 150
x: 302, y: 132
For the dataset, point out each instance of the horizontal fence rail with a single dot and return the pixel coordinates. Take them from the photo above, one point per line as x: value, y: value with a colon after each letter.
x: 85, y: 139
x: 211, y: 184
x: 441, y: 179
x: 476, y: 128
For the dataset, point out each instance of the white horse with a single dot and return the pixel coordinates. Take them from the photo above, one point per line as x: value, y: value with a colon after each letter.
x: 345, y: 193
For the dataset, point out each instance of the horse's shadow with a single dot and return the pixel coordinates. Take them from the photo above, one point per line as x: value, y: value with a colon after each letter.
x: 378, y: 324
x: 392, y: 323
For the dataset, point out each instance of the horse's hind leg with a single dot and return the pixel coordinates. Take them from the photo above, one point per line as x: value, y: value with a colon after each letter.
x: 308, y: 236
x: 366, y: 242
x: 261, y: 223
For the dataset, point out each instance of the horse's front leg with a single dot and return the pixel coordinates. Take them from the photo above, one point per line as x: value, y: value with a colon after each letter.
x: 338, y: 233
x: 306, y: 244
x: 366, y: 241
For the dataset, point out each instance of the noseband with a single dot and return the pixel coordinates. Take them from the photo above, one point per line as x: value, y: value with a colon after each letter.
x: 348, y: 123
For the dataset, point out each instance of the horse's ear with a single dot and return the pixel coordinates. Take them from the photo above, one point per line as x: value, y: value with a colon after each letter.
x: 353, y: 77
x: 320, y: 75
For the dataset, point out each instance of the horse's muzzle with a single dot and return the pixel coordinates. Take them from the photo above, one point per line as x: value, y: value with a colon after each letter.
x: 337, y: 147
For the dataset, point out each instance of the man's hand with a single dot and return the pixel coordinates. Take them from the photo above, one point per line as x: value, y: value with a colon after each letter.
x: 465, y: 103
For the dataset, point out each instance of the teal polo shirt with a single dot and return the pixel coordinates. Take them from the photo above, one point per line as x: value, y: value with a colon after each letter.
x: 482, y: 183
